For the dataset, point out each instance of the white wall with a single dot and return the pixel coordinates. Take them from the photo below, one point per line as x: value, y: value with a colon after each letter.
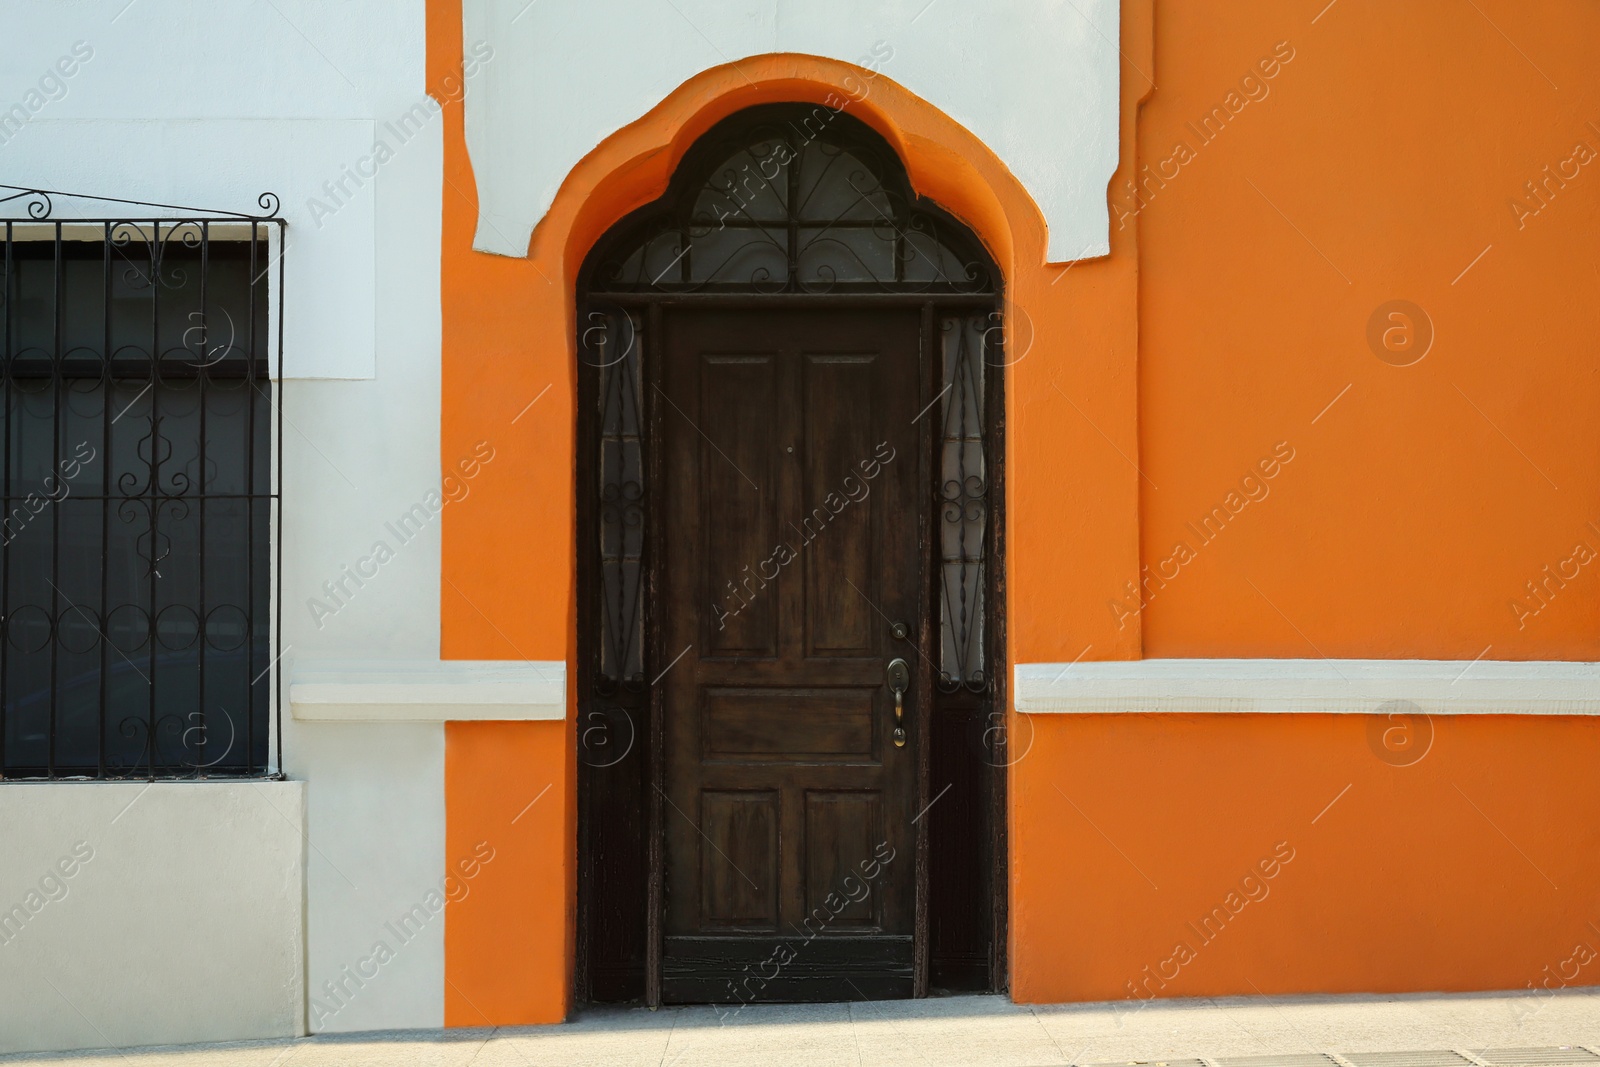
x: 210, y: 105
x: 166, y: 912
x: 375, y: 800
x: 1037, y: 82
x: 377, y: 944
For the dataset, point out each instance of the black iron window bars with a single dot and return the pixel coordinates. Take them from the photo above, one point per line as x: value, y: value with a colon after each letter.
x: 141, y: 454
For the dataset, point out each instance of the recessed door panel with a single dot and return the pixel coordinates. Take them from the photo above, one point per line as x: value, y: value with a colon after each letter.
x: 795, y: 725
x: 844, y: 860
x: 737, y: 393
x: 739, y: 859
x: 838, y: 509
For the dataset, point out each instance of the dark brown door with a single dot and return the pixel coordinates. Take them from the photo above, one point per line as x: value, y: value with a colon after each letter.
x: 789, y: 551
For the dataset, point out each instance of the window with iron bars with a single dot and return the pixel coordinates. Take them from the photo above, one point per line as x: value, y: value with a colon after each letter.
x: 139, y: 490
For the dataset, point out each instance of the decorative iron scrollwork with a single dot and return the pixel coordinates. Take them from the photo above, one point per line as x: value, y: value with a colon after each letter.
x: 609, y: 344
x: 963, y: 502
x: 813, y: 202
x: 39, y: 204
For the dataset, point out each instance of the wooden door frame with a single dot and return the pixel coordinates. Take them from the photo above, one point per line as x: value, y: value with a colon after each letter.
x: 650, y: 308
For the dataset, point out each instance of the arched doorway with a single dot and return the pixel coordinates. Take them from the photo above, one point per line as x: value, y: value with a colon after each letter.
x: 789, y: 514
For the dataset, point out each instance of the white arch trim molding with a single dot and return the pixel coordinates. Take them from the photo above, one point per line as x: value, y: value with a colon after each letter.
x: 1036, y: 82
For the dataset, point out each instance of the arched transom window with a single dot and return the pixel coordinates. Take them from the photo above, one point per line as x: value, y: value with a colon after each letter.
x: 790, y: 199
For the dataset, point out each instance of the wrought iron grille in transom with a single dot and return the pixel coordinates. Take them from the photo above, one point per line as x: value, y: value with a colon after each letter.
x: 791, y: 200
x: 139, y: 486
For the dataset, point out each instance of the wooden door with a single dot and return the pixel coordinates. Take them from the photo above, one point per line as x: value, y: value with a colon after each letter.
x: 789, y: 549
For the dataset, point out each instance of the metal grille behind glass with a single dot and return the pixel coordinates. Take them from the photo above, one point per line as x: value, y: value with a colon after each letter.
x: 964, y: 498
x: 609, y: 346
x: 139, y: 491
x: 806, y: 202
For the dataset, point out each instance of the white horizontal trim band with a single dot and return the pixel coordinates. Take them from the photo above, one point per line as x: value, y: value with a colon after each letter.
x: 1352, y: 686
x: 445, y: 691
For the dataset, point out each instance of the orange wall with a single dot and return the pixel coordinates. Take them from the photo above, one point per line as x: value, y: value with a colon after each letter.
x: 1475, y: 868
x: 1232, y: 310
x: 1382, y: 161
x: 505, y: 947
x: 506, y: 593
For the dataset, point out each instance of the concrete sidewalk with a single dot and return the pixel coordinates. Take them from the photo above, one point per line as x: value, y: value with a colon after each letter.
x: 1462, y: 1030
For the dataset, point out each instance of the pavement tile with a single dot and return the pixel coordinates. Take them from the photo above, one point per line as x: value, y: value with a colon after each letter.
x: 820, y: 1034
x: 954, y: 1030
x: 949, y: 1032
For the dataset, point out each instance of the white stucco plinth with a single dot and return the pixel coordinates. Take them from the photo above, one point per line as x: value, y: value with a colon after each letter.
x: 180, y: 919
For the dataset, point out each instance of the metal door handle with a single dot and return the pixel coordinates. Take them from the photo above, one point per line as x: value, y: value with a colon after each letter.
x: 898, y: 675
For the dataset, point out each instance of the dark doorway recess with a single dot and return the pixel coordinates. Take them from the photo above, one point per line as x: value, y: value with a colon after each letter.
x: 789, y: 514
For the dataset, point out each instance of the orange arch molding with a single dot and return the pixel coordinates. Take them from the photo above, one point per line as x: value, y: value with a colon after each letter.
x: 508, y: 571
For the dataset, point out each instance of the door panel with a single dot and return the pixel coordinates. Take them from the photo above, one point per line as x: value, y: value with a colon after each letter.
x: 788, y: 725
x: 790, y: 546
x: 840, y: 828
x: 738, y: 878
x: 739, y: 394
x: 839, y: 422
